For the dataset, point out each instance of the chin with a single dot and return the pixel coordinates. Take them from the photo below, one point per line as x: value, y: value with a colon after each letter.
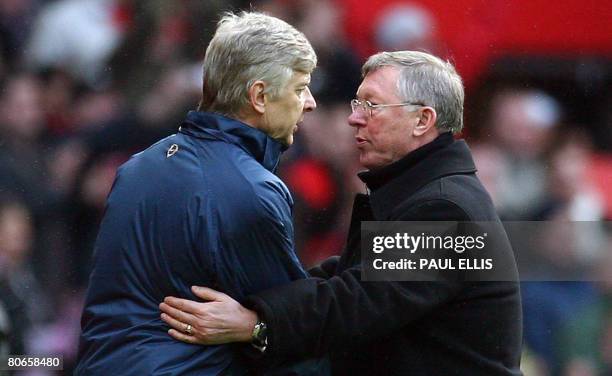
x: 363, y: 159
x: 365, y: 163
x: 369, y: 163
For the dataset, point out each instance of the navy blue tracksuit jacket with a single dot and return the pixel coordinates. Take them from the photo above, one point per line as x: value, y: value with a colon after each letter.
x: 201, y: 207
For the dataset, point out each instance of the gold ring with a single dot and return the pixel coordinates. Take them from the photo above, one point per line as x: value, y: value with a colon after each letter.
x: 188, y: 329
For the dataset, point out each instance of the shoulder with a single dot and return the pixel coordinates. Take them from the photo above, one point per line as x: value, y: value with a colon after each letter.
x: 261, y: 205
x: 244, y: 191
x: 459, y: 197
x: 247, y: 180
x: 230, y: 174
x: 272, y: 198
x: 431, y: 209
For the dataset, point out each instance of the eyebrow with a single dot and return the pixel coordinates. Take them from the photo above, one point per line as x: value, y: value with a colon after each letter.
x: 368, y: 96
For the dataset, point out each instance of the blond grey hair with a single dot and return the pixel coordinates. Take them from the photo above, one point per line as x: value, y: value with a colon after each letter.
x: 247, y: 47
x: 427, y: 80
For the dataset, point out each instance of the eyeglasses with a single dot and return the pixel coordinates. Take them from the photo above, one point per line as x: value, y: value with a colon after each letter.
x: 367, y: 106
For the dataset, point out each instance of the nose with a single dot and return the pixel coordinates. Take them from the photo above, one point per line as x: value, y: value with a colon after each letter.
x: 357, y: 119
x: 309, y: 104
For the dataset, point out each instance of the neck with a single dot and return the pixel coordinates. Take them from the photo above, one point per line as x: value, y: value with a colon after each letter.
x: 425, y: 139
x: 250, y: 118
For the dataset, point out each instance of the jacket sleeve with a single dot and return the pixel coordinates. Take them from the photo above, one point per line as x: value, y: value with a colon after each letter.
x: 326, y: 269
x: 312, y: 316
x: 255, y: 242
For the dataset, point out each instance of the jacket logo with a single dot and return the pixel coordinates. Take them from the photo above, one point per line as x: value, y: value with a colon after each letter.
x: 172, y: 150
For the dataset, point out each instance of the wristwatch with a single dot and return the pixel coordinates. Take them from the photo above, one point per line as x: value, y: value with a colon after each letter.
x: 259, y: 338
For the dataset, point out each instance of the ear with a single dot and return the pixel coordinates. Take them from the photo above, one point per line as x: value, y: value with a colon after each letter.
x: 426, y: 120
x: 257, y: 97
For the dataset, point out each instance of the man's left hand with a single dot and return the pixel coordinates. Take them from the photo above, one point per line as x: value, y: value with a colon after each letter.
x: 219, y: 320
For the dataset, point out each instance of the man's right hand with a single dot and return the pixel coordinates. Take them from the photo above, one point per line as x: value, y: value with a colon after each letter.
x: 220, y: 319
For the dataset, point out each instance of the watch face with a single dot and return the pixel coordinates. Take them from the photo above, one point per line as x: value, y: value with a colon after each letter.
x: 260, y: 334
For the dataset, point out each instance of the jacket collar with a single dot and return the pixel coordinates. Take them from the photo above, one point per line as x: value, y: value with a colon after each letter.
x: 393, y: 184
x: 207, y: 125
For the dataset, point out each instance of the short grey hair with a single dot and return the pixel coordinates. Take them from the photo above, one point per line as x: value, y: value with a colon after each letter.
x: 427, y: 80
x: 247, y: 47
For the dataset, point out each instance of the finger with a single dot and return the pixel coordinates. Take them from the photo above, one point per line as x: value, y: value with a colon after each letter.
x: 177, y: 314
x: 184, y: 305
x: 182, y: 336
x: 174, y: 323
x: 206, y: 293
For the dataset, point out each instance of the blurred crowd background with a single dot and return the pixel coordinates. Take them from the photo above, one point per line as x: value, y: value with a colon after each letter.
x: 84, y: 84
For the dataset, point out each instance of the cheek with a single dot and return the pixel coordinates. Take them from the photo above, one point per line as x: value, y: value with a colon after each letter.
x: 377, y: 134
x: 382, y: 144
x: 386, y: 139
x: 393, y: 131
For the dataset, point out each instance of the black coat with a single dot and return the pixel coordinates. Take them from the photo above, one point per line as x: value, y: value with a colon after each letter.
x: 402, y: 328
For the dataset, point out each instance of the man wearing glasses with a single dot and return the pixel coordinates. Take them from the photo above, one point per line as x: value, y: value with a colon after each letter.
x: 406, y: 111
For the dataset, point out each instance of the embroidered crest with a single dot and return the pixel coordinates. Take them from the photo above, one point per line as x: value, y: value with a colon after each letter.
x: 172, y: 150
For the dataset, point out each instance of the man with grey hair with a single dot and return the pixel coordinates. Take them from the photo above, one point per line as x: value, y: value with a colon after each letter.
x: 202, y: 207
x: 408, y: 106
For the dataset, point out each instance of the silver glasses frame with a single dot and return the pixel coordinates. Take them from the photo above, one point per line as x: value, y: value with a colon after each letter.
x: 368, y: 107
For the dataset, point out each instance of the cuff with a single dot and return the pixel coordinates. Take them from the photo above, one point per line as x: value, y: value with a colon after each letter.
x: 264, y: 313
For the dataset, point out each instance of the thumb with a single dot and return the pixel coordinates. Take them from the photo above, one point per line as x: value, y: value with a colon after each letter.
x: 206, y: 293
